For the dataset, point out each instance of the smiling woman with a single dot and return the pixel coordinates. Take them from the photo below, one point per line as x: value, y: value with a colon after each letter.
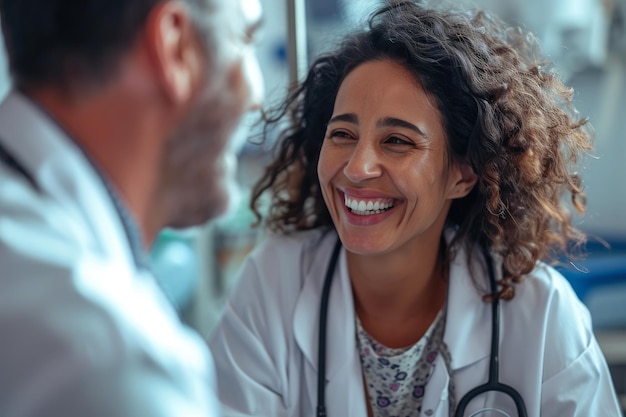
x: 385, y: 144
x: 416, y: 193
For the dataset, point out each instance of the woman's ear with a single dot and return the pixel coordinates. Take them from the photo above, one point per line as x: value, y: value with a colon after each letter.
x: 174, y: 49
x: 463, y: 180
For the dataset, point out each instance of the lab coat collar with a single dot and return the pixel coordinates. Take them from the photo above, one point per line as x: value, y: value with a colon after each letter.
x: 468, y: 323
x: 63, y: 173
x: 340, y: 337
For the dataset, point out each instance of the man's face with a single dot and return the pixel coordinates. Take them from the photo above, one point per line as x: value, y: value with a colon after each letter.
x: 202, y: 157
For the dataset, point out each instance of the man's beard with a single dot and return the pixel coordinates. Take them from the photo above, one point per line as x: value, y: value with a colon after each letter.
x: 200, y: 166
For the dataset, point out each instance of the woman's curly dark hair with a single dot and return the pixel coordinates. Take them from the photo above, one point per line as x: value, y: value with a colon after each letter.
x: 504, y: 113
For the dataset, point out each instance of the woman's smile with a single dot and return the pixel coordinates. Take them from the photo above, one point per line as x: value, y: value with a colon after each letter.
x: 366, y: 208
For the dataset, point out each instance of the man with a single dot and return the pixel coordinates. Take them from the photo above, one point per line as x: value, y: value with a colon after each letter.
x: 119, y: 124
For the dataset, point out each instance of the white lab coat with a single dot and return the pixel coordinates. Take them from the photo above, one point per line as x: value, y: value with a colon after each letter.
x: 82, y: 331
x: 265, y: 344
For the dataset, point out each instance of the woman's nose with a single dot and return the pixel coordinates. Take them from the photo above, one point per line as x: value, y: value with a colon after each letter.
x: 364, y: 163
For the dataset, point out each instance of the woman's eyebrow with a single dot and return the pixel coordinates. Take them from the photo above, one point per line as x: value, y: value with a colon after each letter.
x: 346, y: 117
x: 385, y: 122
x: 394, y: 122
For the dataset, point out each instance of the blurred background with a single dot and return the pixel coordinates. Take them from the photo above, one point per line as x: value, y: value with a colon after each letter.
x: 586, y: 40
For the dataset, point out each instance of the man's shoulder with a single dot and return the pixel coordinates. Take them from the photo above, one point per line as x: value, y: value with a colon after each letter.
x: 31, y: 221
x: 63, y: 300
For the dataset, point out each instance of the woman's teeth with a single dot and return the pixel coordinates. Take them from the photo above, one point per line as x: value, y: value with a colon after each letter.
x: 367, y: 207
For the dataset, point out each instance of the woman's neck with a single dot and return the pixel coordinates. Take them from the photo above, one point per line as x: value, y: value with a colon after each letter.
x: 398, y: 295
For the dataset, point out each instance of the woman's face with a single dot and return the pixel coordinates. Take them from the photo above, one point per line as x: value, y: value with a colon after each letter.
x: 383, y: 167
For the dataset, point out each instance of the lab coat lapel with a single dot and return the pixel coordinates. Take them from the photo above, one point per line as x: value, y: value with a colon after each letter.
x: 62, y: 172
x: 467, y: 334
x: 468, y: 323
x: 344, y: 390
x: 435, y: 402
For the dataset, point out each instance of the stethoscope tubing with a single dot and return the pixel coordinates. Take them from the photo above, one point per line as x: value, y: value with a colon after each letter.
x: 321, y: 358
x: 493, y: 383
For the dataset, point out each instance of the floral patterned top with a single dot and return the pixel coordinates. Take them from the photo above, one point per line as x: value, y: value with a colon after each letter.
x: 396, y: 378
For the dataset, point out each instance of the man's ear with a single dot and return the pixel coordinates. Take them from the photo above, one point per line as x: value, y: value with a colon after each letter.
x: 175, y: 52
x: 464, y: 179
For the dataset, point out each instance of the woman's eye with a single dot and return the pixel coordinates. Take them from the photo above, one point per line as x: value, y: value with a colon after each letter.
x: 340, y: 134
x: 395, y: 140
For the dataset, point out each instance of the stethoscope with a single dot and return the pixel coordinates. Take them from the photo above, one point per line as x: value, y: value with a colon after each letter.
x: 493, y: 384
